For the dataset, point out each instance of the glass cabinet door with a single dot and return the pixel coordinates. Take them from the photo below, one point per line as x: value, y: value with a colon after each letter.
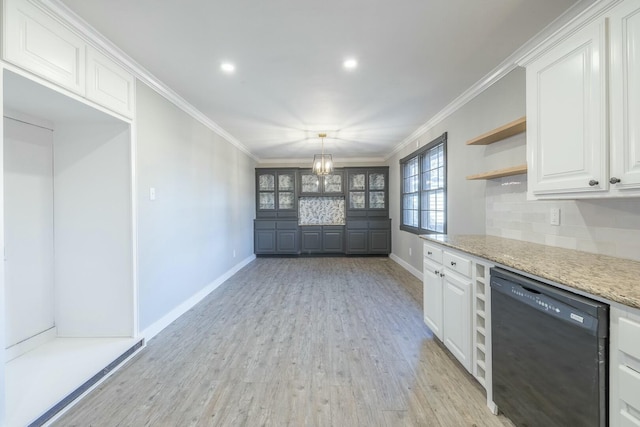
x: 286, y: 191
x: 309, y: 183
x: 333, y: 183
x: 377, y: 187
x: 267, y: 191
x: 357, y: 190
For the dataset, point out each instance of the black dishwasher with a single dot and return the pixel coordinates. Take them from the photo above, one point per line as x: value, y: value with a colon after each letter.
x: 549, y: 353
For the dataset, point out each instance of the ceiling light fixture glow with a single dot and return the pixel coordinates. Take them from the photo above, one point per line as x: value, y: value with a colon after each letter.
x: 227, y: 67
x: 350, y: 64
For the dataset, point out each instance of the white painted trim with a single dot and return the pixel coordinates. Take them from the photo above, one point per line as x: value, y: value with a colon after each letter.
x: 411, y: 269
x: 187, y: 305
x: 22, y: 117
x: 496, y: 74
x: 30, y: 343
x: 105, y: 46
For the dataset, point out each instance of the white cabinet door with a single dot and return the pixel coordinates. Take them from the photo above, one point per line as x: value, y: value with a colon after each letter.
x: 625, y: 95
x: 36, y: 42
x: 457, y: 322
x: 432, y: 297
x: 108, y: 84
x: 567, y: 148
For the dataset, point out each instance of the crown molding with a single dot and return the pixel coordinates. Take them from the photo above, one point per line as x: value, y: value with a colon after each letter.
x: 338, y: 162
x: 577, y: 11
x: 107, y: 47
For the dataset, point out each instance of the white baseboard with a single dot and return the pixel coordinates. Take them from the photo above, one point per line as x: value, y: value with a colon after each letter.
x: 29, y: 344
x: 411, y: 269
x: 182, y: 308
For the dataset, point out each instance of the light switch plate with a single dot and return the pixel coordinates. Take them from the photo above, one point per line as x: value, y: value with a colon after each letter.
x: 152, y: 193
x: 554, y: 216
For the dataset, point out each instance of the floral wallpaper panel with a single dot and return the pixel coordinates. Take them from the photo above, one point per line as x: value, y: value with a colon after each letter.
x: 321, y: 211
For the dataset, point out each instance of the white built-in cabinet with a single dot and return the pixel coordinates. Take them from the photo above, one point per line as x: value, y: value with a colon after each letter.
x: 38, y: 42
x: 583, y: 100
x: 67, y: 221
x: 457, y: 308
x: 447, y: 300
x: 624, y: 367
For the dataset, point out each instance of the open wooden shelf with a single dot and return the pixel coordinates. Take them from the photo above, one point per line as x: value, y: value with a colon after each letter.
x: 505, y: 131
x: 499, y: 173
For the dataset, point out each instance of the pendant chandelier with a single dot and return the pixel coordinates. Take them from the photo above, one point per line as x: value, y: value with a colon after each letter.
x: 322, y: 163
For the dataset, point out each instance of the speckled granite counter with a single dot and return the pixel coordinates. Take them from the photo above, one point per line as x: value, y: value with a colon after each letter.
x: 614, y: 279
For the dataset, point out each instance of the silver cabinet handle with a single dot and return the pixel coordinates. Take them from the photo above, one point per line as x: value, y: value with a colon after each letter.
x: 614, y: 180
x: 453, y: 263
x: 429, y: 253
x: 436, y: 272
x: 441, y: 274
x: 593, y: 183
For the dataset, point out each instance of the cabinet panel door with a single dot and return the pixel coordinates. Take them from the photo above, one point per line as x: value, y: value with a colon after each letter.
x: 265, y: 241
x: 356, y: 241
x: 456, y: 300
x: 379, y: 241
x: 625, y: 94
x: 333, y: 241
x: 567, y: 148
x: 432, y: 297
x: 37, y: 42
x: 287, y: 241
x: 108, y: 84
x: 311, y: 240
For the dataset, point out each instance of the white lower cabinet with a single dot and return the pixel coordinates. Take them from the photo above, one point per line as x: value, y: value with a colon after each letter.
x: 456, y: 304
x: 624, y: 368
x: 432, y: 297
x: 447, y: 300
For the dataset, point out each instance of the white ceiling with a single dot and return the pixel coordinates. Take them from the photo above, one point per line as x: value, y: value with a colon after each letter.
x: 414, y: 56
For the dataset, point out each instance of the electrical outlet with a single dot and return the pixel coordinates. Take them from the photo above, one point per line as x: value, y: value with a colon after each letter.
x: 234, y: 253
x: 554, y: 216
x: 409, y: 251
x: 152, y: 193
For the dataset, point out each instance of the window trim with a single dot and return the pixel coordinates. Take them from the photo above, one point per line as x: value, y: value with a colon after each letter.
x: 442, y: 139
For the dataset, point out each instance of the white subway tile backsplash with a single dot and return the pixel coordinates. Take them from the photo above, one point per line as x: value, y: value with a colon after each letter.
x: 609, y: 227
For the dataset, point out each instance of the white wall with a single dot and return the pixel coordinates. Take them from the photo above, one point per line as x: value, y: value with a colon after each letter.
x: 28, y: 244
x: 93, y: 230
x: 203, y: 211
x: 499, y: 104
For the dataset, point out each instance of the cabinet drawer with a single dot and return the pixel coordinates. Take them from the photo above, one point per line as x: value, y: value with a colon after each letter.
x: 287, y: 225
x: 433, y: 253
x: 629, y: 390
x: 380, y: 225
x: 457, y: 264
x: 357, y: 224
x: 629, y: 338
x: 265, y: 225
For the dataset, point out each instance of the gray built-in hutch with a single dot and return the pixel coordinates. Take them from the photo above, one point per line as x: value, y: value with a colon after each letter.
x: 301, y: 213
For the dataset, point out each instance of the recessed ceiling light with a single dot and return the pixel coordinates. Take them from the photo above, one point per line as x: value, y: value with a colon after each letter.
x: 350, y: 64
x: 227, y: 67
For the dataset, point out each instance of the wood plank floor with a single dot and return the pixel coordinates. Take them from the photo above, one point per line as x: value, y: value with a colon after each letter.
x: 295, y: 342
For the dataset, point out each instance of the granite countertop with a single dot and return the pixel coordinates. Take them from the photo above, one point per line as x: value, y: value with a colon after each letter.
x: 614, y: 279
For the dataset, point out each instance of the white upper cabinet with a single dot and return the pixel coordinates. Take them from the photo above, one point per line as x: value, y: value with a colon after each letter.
x: 566, y: 129
x: 108, y: 84
x: 625, y: 96
x: 583, y: 93
x: 38, y: 43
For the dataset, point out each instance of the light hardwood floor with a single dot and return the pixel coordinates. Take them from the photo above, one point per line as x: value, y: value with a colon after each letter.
x: 295, y: 342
